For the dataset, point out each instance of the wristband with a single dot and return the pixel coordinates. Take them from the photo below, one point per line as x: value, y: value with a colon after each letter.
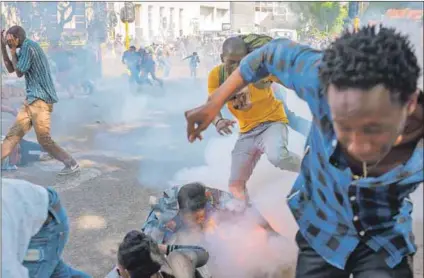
x: 216, y: 121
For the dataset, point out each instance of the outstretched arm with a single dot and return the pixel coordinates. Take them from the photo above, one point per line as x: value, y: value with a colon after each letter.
x: 295, y: 66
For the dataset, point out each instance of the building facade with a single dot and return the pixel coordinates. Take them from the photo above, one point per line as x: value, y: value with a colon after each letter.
x: 156, y: 21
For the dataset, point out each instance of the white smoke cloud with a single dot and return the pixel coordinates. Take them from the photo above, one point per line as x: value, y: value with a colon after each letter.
x: 243, y: 250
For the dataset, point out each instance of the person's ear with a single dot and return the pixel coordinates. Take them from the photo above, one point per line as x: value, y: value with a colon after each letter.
x: 412, y: 102
x: 222, y: 58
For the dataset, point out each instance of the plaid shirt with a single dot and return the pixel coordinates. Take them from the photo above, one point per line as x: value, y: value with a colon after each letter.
x: 33, y: 63
x: 164, y: 221
x: 334, y: 210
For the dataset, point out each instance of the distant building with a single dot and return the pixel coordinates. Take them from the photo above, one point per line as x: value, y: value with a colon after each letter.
x: 270, y: 15
x: 159, y: 20
x: 242, y: 16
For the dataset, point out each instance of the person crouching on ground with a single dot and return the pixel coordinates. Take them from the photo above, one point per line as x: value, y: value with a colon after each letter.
x: 35, y: 230
x: 139, y: 256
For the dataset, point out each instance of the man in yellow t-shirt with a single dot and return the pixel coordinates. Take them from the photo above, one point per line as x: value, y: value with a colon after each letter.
x: 261, y: 118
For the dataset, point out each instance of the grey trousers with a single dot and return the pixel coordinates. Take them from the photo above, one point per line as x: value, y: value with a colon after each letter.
x: 270, y: 138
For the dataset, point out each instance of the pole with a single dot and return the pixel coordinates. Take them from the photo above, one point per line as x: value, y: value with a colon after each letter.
x: 356, y: 24
x: 127, y: 36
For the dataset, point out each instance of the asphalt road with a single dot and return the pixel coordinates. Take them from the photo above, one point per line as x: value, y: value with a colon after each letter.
x: 129, y: 145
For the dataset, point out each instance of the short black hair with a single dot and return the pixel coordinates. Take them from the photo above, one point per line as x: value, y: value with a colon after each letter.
x: 17, y: 32
x: 233, y: 43
x: 371, y: 56
x: 192, y: 197
x: 134, y: 254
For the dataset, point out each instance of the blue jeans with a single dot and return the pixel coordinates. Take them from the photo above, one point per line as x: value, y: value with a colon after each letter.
x: 46, y: 247
x: 163, y: 62
x: 134, y: 77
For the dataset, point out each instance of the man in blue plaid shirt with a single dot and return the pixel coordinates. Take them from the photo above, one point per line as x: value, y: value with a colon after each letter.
x: 364, y: 153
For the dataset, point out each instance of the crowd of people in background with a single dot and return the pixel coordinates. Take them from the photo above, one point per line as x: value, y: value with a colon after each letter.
x: 350, y: 176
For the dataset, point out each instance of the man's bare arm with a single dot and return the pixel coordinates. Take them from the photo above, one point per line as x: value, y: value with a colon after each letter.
x: 218, y: 117
x: 14, y: 63
x: 6, y: 59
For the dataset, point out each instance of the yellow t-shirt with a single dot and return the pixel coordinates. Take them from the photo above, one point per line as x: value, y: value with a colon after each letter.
x: 265, y: 107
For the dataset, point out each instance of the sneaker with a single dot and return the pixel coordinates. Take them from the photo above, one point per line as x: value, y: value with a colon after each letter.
x: 69, y: 170
x: 45, y: 157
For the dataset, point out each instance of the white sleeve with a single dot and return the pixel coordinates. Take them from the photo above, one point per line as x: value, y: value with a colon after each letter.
x: 11, y: 263
x: 24, y: 210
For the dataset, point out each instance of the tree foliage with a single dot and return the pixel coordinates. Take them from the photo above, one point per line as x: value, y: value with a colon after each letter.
x: 325, y: 17
x: 44, y: 20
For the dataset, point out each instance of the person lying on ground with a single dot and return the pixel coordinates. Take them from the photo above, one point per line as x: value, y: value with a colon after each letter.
x: 35, y: 230
x: 139, y: 256
x: 9, y: 109
x: 193, y: 207
x: 364, y: 153
x: 25, y: 152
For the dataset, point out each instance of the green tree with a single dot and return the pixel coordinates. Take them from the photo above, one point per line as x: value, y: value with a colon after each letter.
x: 326, y: 17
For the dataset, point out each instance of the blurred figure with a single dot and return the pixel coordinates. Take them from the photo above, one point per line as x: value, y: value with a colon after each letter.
x: 9, y: 109
x: 148, y: 67
x: 194, y: 62
x: 41, y: 95
x: 140, y: 257
x: 132, y: 58
x: 23, y: 154
x: 162, y: 55
x: 35, y: 230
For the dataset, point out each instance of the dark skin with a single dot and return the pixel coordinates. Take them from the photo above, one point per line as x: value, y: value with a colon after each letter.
x: 13, y: 44
x: 379, y: 120
x: 233, y: 51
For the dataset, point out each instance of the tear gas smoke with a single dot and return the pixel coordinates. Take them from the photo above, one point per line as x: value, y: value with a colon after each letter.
x: 239, y: 248
x: 413, y: 29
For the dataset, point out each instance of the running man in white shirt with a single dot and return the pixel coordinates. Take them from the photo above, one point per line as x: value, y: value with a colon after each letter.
x: 35, y: 230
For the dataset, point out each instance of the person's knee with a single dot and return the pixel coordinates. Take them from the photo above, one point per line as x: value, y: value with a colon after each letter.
x: 284, y: 160
x: 45, y: 140
x: 279, y: 157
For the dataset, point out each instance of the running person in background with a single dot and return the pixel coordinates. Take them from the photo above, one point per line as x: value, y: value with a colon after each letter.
x: 41, y: 95
x: 262, y: 121
x: 132, y: 58
x: 194, y: 62
x: 162, y: 59
x: 148, y: 66
x: 364, y: 153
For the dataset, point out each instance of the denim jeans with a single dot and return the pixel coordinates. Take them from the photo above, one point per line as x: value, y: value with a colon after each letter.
x: 362, y: 263
x: 44, y: 256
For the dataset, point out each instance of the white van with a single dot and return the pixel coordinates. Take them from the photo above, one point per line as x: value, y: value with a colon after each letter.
x: 283, y: 33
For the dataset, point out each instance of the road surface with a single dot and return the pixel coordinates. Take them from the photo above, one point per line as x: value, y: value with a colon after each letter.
x: 130, y: 146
